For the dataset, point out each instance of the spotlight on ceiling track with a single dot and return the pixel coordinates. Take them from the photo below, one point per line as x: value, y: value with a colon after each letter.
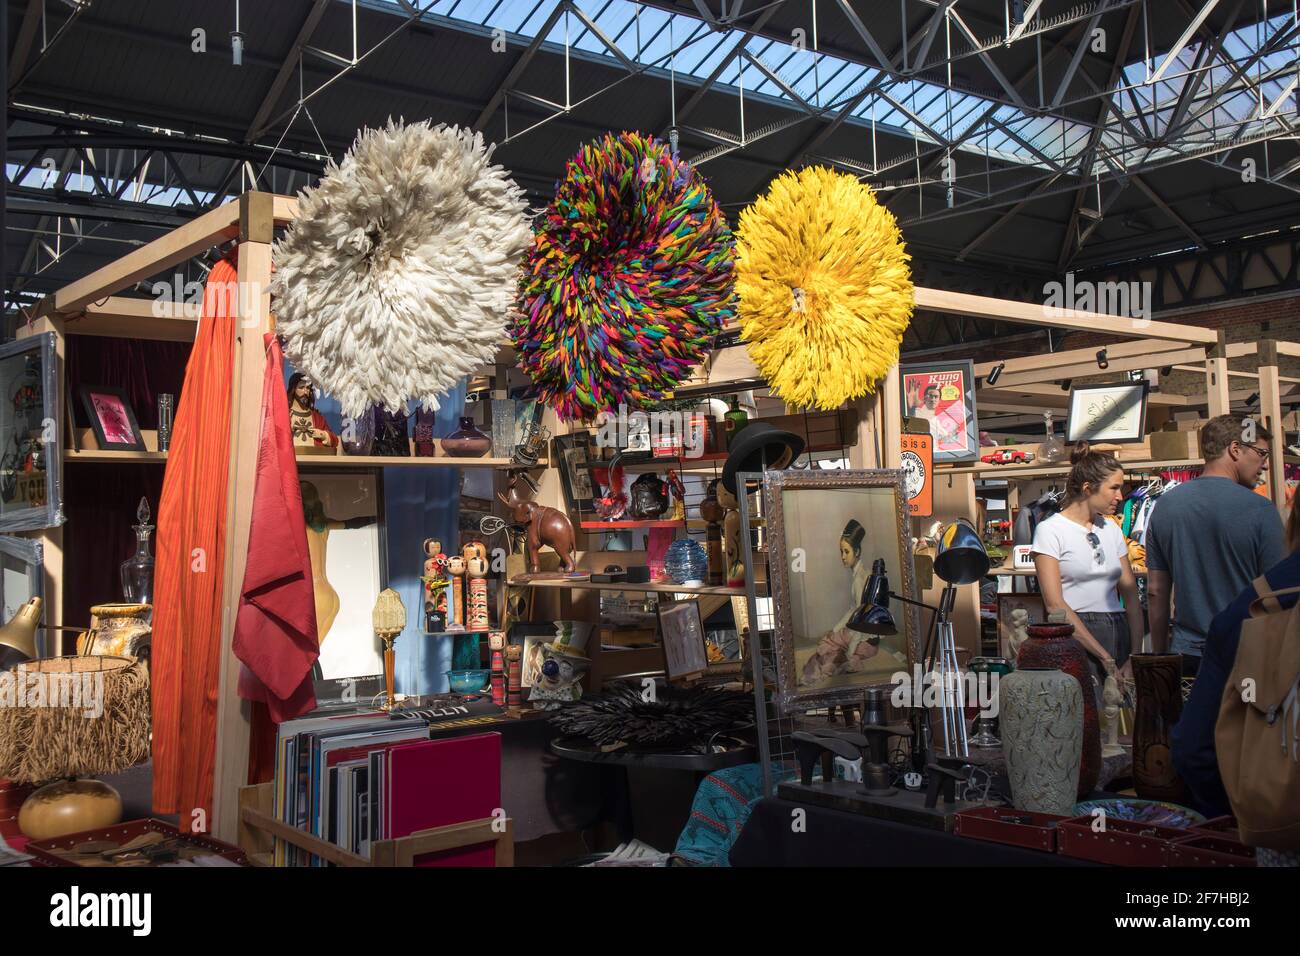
x: 1254, y: 397
x: 1103, y: 363
x: 1167, y: 370
x: 1067, y: 385
x: 995, y: 373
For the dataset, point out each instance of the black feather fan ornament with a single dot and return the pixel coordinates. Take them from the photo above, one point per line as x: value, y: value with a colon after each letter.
x: 676, y: 717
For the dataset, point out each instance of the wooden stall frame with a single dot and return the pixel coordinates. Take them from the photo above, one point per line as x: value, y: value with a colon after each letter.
x: 91, y: 305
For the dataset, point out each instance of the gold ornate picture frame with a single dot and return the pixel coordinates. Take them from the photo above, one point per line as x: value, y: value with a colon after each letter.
x: 825, y: 531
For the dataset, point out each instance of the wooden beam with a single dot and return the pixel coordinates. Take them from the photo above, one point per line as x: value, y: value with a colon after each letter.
x: 1033, y: 313
x: 1217, y: 399
x: 1270, y: 409
x: 1049, y: 360
x: 286, y: 210
x: 182, y: 243
x: 1115, y: 364
x: 254, y: 269
x: 1023, y: 396
x: 123, y: 318
x: 1289, y: 349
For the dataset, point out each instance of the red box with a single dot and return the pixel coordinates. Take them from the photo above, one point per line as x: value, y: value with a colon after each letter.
x: 1224, y: 827
x: 1024, y: 828
x: 123, y: 832
x: 1121, y: 843
x: 1199, y: 849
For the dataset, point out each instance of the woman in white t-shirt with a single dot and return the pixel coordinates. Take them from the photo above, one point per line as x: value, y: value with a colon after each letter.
x: 1081, y: 559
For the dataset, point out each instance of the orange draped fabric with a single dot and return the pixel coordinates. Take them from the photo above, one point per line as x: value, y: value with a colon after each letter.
x: 189, y: 566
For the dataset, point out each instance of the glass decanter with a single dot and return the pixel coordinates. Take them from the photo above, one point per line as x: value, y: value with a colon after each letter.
x: 137, y: 570
x: 1053, y: 449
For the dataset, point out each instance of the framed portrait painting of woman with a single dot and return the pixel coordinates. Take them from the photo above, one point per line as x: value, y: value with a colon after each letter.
x: 827, y: 531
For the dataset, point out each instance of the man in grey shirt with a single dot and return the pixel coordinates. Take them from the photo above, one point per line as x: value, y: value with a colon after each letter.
x: 1208, y: 539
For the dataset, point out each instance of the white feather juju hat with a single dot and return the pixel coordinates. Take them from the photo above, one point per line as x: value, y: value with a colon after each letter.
x: 394, y: 280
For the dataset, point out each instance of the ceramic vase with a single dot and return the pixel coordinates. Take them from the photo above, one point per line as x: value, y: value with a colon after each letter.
x: 120, y: 630
x: 1040, y: 714
x: 466, y: 441
x: 1158, y: 680
x: 1053, y: 646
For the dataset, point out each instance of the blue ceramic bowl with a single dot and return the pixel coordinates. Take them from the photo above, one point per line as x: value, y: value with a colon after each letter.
x: 468, y: 681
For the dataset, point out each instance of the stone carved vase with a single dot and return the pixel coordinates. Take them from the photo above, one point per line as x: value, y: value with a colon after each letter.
x: 1054, y: 646
x: 1158, y: 679
x: 1041, y: 720
x: 119, y: 630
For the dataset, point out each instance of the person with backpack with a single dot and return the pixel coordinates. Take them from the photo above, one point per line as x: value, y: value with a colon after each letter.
x: 1267, y: 618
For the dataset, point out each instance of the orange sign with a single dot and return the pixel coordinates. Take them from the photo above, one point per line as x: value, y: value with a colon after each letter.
x: 918, y: 474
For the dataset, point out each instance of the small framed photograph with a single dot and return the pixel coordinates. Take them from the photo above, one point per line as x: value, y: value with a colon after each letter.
x: 943, y: 394
x: 682, y: 630
x: 1114, y: 413
x: 575, y: 454
x: 112, y: 418
x: 1008, y: 604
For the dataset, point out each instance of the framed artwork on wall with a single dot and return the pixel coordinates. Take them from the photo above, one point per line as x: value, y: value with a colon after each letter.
x: 31, y: 434
x: 826, y: 530
x: 573, y: 454
x: 943, y: 394
x: 1114, y: 413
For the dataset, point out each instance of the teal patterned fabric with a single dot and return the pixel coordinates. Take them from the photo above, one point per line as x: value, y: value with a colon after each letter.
x: 722, y: 804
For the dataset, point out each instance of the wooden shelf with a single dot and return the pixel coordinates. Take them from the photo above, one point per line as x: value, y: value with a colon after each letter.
x: 1031, y: 573
x: 987, y: 472
x: 623, y: 525
x: 94, y: 454
x: 624, y: 586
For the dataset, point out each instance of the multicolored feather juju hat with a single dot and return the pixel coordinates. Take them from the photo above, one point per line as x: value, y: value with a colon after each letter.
x: 394, y: 281
x: 629, y: 278
x: 825, y: 289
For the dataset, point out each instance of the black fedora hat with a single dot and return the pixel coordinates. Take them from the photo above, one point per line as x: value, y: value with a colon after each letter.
x: 760, y: 447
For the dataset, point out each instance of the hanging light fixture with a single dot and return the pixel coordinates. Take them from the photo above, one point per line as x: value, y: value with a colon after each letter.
x: 237, y: 41
x: 995, y: 373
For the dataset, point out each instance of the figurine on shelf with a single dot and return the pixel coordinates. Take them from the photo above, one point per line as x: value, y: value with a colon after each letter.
x: 679, y: 495
x: 649, y: 497
x: 477, y: 617
x: 1112, y: 698
x: 545, y: 526
x: 435, y: 587
x: 456, y: 570
x: 497, y: 647
x: 514, y: 676
x: 731, y: 538
x: 1019, y: 632
x: 711, y: 511
x: 308, y: 425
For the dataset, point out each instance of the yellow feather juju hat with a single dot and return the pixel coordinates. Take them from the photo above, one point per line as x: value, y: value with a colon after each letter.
x: 825, y: 289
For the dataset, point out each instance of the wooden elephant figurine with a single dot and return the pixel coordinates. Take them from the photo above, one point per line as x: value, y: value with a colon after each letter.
x: 546, y: 526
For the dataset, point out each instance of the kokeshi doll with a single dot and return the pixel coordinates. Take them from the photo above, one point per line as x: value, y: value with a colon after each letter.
x: 514, y: 676
x: 497, y: 645
x: 456, y: 568
x: 477, y: 619
x: 731, y: 539
x: 711, y: 510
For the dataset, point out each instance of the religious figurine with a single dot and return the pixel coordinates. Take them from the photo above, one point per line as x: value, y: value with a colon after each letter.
x: 308, y: 425
x: 562, y: 669
x: 1112, y: 698
x: 456, y: 569
x: 731, y: 539
x: 1019, y: 632
x: 545, y: 526
x: 435, y: 587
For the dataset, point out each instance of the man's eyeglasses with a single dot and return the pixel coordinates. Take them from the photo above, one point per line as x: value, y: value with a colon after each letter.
x: 1096, y: 547
x: 1262, y: 452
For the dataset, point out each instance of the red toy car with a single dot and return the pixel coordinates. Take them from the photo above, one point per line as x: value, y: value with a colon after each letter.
x: 1008, y: 456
